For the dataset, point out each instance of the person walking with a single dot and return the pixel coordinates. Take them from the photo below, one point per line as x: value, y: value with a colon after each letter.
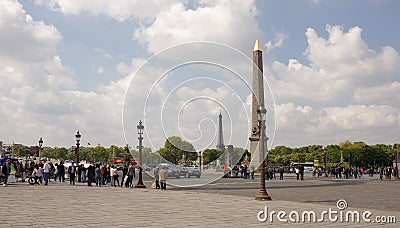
x: 55, y: 172
x: 46, y: 171
x: 72, y: 172
x: 61, y: 171
x: 115, y: 176
x: 124, y: 174
x: 103, y: 174
x: 97, y: 175
x: 301, y: 171
x: 111, y: 171
x: 381, y: 172
x: 156, y: 177
x: 6, y: 169
x: 90, y: 174
x: 79, y: 172
x: 163, y: 176
x: 281, y: 173
x: 131, y: 176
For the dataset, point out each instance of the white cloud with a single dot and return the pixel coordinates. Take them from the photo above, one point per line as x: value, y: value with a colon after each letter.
x: 100, y: 70
x: 384, y: 94
x: 118, y: 9
x: 338, y: 66
x: 33, y: 78
x: 279, y: 39
x: 304, y: 125
x: 220, y: 21
x: 22, y: 38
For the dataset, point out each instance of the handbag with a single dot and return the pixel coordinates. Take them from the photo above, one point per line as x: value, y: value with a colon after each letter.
x: 153, y: 184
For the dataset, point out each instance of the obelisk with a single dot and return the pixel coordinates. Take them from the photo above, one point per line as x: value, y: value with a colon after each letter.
x: 257, y: 100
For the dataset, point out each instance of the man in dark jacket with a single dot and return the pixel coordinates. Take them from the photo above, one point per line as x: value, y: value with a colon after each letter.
x: 72, y: 172
x: 6, y: 169
x: 124, y: 173
x: 90, y: 174
x: 61, y: 171
x: 301, y: 171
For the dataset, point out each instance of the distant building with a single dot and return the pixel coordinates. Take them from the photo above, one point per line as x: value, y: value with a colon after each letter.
x: 2, y: 152
x: 11, y: 148
x: 34, y: 151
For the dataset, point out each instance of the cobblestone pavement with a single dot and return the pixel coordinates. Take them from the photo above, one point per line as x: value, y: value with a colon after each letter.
x: 60, y: 205
x: 368, y: 193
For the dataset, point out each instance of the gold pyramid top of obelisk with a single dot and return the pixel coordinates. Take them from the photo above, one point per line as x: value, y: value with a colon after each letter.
x: 257, y: 46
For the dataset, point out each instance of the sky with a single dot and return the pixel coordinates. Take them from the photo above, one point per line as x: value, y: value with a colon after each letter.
x: 331, y: 71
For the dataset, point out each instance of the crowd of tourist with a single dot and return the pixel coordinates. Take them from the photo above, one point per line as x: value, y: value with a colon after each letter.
x: 355, y: 172
x: 101, y: 174
x: 98, y: 174
x: 43, y: 172
x: 271, y: 172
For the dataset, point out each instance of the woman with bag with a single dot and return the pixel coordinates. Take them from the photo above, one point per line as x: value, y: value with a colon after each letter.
x: 131, y: 175
x: 156, y: 178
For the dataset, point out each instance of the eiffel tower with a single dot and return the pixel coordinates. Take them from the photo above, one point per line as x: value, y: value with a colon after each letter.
x: 220, y: 142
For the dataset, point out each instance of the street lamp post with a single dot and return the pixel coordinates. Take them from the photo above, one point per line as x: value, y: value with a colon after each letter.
x: 140, y: 128
x: 200, y: 160
x: 40, y: 147
x: 78, y: 139
x: 396, y: 169
x: 261, y: 113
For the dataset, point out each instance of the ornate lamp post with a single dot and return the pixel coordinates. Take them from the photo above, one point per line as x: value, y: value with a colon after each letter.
x: 127, y: 153
x: 140, y: 128
x: 200, y: 160
x: 396, y: 169
x: 40, y: 147
x: 78, y: 139
x: 261, y: 113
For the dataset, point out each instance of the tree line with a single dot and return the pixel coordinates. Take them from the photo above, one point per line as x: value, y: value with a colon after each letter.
x: 357, y: 153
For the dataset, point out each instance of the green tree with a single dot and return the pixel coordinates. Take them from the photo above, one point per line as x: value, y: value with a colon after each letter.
x: 175, y: 147
x: 210, y: 155
x: 60, y: 153
x: 23, y: 151
x: 99, y: 154
x: 47, y: 152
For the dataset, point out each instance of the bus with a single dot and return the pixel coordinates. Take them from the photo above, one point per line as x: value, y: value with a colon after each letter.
x: 308, y: 166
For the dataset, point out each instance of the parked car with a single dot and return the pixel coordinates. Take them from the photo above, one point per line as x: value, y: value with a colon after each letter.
x: 146, y: 168
x: 183, y: 171
x: 172, y: 172
x: 194, y: 171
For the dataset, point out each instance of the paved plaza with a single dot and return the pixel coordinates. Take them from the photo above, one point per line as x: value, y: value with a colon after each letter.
x: 225, y: 203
